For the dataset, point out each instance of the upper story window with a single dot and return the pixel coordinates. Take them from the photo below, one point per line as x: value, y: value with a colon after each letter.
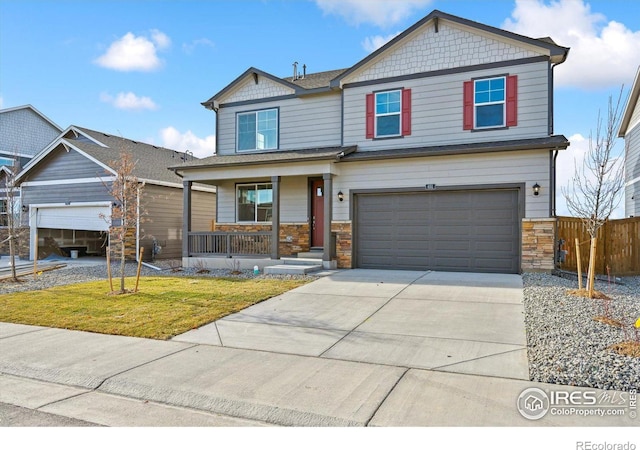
x: 254, y: 202
x: 388, y: 114
x: 490, y: 103
x: 257, y: 130
x: 4, y: 161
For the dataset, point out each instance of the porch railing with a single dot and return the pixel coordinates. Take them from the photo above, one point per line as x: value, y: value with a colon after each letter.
x: 219, y: 243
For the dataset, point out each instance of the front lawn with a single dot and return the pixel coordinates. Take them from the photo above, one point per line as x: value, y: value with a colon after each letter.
x: 164, y: 306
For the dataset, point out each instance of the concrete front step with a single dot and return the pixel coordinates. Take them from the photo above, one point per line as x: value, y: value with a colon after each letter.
x: 310, y: 255
x: 290, y: 269
x: 302, y: 261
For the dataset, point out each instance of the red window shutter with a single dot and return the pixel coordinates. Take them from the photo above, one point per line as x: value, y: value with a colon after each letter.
x: 512, y: 100
x: 467, y: 122
x: 370, y: 116
x: 406, y: 112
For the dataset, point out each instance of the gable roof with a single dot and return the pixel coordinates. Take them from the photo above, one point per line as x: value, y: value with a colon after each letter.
x: 17, y: 108
x: 332, y: 79
x: 632, y: 104
x: 152, y: 162
x: 310, y: 83
x: 558, y: 54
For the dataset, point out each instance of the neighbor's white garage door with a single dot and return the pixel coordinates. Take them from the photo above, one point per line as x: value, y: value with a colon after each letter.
x: 73, y: 217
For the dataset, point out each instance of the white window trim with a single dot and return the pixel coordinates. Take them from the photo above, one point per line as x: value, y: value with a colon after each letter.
x: 503, y: 102
x: 255, y: 213
x: 256, y: 112
x: 376, y: 115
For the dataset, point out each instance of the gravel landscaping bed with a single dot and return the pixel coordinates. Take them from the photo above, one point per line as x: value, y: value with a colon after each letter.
x: 566, y: 346
x: 75, y: 273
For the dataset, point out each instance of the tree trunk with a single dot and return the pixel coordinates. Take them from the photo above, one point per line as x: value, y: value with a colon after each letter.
x: 592, y: 267
x: 122, y: 262
x: 12, y: 255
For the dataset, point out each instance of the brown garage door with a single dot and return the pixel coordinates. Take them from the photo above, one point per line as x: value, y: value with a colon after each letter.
x: 465, y: 231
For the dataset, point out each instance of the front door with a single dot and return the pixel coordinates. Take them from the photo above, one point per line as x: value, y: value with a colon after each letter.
x: 317, y: 213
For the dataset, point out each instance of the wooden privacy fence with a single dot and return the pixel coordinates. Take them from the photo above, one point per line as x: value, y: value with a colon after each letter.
x: 618, y: 245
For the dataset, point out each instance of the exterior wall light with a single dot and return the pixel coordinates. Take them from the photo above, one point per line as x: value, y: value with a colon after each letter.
x: 340, y: 196
x: 536, y: 189
x: 25, y: 208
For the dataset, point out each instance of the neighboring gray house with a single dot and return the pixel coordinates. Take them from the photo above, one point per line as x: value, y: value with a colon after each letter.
x: 24, y: 131
x: 630, y: 131
x: 65, y: 191
x: 437, y: 151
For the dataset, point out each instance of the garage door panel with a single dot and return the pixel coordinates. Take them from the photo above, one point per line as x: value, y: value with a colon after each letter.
x: 446, y: 230
x: 73, y: 217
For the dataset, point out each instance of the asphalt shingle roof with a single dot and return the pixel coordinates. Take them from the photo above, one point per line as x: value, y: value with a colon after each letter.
x: 316, y: 80
x: 152, y: 162
x: 313, y: 154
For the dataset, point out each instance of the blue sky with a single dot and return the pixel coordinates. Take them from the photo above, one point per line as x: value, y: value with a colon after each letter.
x: 141, y: 68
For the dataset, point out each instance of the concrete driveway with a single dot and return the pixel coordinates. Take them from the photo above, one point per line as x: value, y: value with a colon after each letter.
x: 452, y: 322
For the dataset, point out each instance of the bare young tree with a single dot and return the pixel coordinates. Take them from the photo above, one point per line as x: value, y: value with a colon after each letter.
x: 10, y: 212
x: 127, y: 211
x: 594, y: 191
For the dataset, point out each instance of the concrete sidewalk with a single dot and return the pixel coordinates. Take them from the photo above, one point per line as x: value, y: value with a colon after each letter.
x: 358, y: 348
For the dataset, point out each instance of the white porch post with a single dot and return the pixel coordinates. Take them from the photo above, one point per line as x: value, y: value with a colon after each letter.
x: 328, y: 202
x: 275, y: 218
x: 186, y: 216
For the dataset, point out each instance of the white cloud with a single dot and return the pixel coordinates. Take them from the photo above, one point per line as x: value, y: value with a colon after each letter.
x: 382, y: 13
x: 200, y: 147
x: 603, y: 53
x: 568, y: 160
x: 128, y: 101
x: 130, y: 52
x: 190, y: 47
x: 373, y: 43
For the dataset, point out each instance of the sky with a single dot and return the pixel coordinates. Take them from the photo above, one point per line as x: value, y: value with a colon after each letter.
x: 141, y: 68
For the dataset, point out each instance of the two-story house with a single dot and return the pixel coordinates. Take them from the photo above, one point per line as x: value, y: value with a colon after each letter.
x: 24, y: 131
x: 630, y: 131
x: 436, y: 151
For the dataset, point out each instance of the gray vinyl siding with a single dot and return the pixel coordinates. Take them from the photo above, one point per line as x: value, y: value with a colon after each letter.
x: 303, y: 123
x: 60, y: 164
x: 294, y: 206
x: 632, y: 171
x: 163, y: 222
x: 24, y: 131
x: 437, y: 109
x: 527, y: 167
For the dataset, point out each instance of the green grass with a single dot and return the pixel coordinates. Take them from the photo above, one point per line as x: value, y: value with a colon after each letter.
x: 163, y: 307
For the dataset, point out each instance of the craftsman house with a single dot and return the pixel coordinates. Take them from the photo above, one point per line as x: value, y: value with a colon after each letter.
x: 66, y: 200
x: 630, y: 131
x: 437, y: 151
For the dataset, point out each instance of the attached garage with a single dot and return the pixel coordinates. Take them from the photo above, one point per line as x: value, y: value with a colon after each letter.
x: 456, y: 230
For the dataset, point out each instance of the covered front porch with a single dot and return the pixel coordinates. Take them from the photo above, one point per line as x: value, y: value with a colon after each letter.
x: 264, y: 219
